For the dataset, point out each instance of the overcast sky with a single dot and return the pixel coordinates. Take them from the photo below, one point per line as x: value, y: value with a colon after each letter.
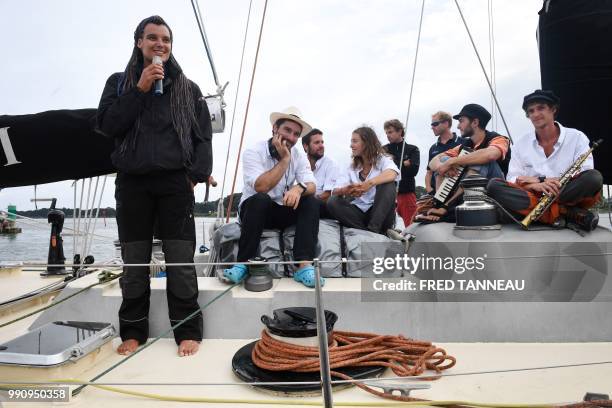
x: 343, y: 63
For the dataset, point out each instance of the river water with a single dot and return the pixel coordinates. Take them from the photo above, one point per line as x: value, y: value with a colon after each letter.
x: 32, y: 244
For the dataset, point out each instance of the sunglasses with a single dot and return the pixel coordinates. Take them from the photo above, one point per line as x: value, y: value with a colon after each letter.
x: 437, y: 122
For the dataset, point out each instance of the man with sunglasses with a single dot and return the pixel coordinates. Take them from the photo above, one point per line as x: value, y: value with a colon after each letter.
x: 539, y: 158
x: 489, y: 158
x: 441, y: 123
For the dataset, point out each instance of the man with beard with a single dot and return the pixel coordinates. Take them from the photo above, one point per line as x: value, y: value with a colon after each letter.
x: 490, y: 156
x: 323, y: 168
x: 278, y: 192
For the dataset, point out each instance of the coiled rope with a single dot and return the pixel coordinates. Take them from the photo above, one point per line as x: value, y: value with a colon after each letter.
x: 406, y: 357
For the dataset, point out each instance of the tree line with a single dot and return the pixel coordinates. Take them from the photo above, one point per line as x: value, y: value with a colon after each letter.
x: 207, y: 209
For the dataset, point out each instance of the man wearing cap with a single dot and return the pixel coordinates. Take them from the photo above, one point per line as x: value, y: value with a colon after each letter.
x: 490, y: 156
x: 441, y: 123
x: 539, y: 158
x: 278, y: 191
x: 323, y: 168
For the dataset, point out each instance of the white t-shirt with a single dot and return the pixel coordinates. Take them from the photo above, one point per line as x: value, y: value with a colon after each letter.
x: 351, y: 176
x: 326, y: 174
x: 528, y: 158
x: 256, y: 160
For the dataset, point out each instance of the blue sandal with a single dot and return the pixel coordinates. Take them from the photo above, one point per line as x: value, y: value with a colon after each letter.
x: 306, y: 275
x: 236, y: 273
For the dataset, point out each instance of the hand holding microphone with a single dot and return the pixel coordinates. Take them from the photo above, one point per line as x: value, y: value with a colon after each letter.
x: 152, y: 74
x: 159, y: 83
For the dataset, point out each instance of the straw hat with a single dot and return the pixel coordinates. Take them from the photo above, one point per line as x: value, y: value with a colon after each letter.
x: 294, y: 114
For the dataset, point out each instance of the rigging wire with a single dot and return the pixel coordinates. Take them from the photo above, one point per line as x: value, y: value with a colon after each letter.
x: 484, y: 71
x: 246, y: 113
x: 86, y: 220
x: 492, y: 61
x: 416, y: 56
x: 200, y: 22
x: 220, y: 208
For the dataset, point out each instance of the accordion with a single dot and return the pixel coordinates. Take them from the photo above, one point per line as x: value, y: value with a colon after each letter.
x: 450, y: 184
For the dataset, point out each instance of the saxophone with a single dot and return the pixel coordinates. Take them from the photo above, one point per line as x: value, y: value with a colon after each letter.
x: 547, y: 200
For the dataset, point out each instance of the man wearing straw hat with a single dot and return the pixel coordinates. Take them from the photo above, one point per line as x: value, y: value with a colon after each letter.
x: 278, y: 191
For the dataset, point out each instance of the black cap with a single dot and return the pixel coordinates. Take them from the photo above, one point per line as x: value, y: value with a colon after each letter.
x: 475, y: 111
x: 541, y: 96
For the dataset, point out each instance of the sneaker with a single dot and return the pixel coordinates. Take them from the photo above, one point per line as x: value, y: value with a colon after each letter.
x: 584, y: 219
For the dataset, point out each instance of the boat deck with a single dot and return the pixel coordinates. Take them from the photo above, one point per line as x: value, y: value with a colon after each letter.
x: 159, y: 363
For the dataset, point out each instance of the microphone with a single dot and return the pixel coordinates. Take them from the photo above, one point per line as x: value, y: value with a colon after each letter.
x: 159, y: 83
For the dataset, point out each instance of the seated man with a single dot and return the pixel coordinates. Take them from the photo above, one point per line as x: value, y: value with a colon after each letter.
x: 365, y: 194
x: 489, y: 158
x: 323, y: 167
x: 539, y: 158
x: 441, y: 124
x: 278, y: 191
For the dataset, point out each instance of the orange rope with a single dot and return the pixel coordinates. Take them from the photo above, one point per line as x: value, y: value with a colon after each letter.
x: 406, y: 357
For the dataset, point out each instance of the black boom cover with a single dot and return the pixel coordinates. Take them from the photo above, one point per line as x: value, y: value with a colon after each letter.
x: 575, y: 40
x: 52, y: 146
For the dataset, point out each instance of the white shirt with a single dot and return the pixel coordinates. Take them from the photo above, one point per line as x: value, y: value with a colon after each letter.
x: 256, y: 160
x: 528, y: 158
x: 326, y: 174
x: 351, y: 176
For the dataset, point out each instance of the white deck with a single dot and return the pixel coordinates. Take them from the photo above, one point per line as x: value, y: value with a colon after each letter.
x: 159, y: 364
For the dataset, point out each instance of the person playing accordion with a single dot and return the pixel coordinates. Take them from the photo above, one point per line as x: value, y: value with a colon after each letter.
x: 480, y: 152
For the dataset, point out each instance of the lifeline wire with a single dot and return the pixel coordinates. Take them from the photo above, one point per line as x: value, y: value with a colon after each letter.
x: 374, y: 379
x: 14, y: 264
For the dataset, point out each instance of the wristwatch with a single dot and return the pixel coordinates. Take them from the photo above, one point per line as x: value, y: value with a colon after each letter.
x: 304, y: 187
x: 542, y: 178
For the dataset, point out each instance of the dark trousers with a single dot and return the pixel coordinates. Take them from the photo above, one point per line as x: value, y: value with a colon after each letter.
x: 143, y: 200
x: 379, y: 218
x: 323, y: 212
x: 582, y: 191
x: 259, y: 212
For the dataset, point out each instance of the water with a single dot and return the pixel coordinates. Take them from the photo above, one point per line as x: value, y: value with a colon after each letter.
x: 32, y: 244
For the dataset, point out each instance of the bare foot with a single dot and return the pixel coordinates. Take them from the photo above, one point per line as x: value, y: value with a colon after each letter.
x: 188, y: 348
x: 438, y: 212
x: 127, y: 347
x: 423, y: 217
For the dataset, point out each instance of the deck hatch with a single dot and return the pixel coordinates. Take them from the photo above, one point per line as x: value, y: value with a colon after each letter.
x: 56, y: 343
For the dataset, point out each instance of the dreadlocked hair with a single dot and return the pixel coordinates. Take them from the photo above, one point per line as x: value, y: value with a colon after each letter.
x: 182, y: 97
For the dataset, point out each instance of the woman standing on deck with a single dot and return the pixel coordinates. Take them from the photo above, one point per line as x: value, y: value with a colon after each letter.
x: 163, y: 149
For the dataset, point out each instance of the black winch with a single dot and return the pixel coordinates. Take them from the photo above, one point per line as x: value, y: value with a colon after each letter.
x: 296, y: 325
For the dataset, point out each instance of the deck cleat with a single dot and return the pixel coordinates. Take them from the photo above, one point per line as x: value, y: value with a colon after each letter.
x: 401, y: 387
